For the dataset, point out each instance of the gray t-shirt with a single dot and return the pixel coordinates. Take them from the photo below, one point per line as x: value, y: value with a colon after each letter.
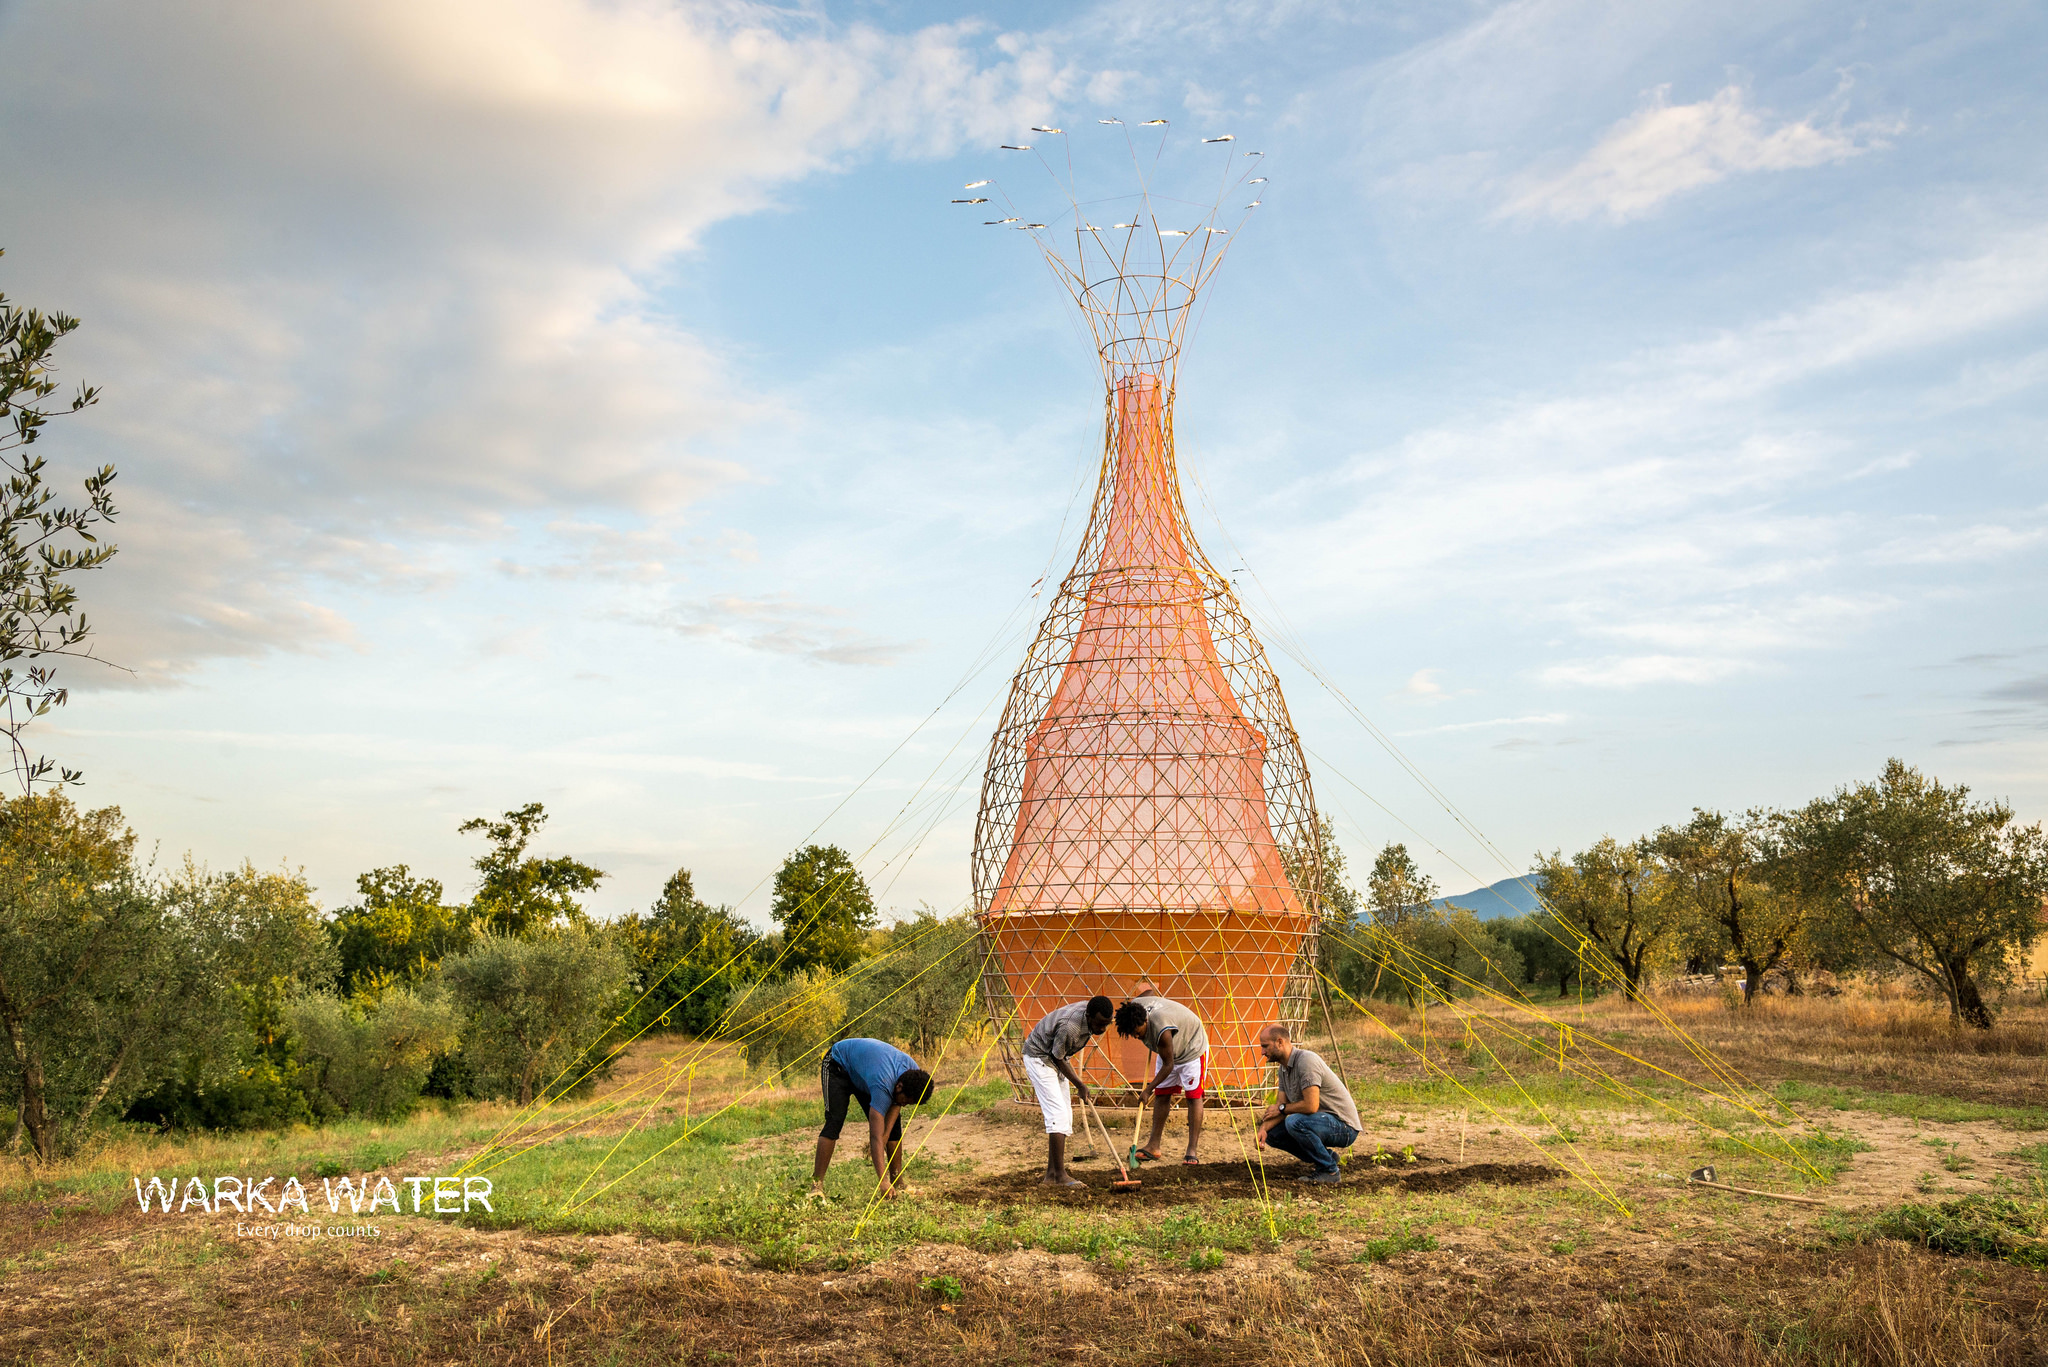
x: 1062, y: 1034
x: 1305, y: 1069
x: 1161, y: 1015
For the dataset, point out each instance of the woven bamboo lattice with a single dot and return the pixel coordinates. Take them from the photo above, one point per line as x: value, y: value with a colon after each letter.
x: 1146, y: 811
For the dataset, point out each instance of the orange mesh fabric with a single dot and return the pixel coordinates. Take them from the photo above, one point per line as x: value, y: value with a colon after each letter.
x: 1142, y: 845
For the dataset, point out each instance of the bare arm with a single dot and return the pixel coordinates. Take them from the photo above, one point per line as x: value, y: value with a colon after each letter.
x: 1311, y: 1102
x: 1061, y: 1067
x: 878, y: 1142
x: 1167, y: 1040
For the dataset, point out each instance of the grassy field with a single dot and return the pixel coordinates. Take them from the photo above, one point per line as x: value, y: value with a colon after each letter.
x: 1503, y: 1205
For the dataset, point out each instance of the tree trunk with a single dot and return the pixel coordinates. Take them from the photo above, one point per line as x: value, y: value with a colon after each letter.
x: 100, y: 1093
x: 1968, y: 1003
x: 34, y: 1118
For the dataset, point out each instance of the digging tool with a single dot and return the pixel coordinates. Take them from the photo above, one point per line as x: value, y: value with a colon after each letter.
x: 1124, y: 1182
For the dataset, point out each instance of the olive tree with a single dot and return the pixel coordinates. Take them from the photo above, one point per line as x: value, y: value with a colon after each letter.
x: 101, y: 985
x: 918, y: 982
x: 43, y: 543
x: 536, y: 1011
x: 1613, y: 900
x: 1933, y: 883
x: 370, y: 1057
x: 1721, y: 868
x: 788, y: 1024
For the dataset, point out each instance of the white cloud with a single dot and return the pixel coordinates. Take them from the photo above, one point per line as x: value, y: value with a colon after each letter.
x: 1630, y: 671
x: 1539, y: 719
x: 1668, y: 501
x: 781, y: 625
x: 1422, y: 684
x: 1980, y: 541
x: 1665, y: 149
x: 359, y: 273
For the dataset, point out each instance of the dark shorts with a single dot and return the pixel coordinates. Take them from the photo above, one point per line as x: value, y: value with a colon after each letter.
x: 838, y: 1089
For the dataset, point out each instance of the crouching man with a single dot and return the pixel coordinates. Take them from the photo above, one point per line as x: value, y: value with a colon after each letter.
x: 1047, y: 1051
x: 1315, y: 1113
x: 882, y: 1079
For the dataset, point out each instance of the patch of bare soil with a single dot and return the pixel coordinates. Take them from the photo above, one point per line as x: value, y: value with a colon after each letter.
x: 1183, y: 1184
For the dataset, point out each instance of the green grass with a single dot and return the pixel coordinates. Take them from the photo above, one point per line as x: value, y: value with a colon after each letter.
x: 1825, y: 1153
x: 2037, y: 1154
x: 1913, y: 1105
x: 1402, y: 1240
x: 669, y: 1182
x: 2015, y: 1231
x: 344, y: 1147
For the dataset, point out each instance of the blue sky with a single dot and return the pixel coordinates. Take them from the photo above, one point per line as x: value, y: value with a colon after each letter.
x: 1627, y: 407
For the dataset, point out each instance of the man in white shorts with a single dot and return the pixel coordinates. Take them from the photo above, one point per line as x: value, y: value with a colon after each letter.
x: 1047, y: 1049
x: 1173, y: 1033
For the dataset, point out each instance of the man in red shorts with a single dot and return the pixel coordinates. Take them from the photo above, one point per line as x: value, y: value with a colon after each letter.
x: 1175, y: 1034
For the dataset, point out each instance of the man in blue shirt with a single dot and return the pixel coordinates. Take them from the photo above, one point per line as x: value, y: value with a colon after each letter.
x: 883, y: 1080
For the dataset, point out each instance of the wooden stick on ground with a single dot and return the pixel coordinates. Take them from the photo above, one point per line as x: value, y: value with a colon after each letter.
x: 1747, y: 1191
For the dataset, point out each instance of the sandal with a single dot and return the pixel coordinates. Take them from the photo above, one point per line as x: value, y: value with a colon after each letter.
x: 1191, y: 1161
x: 1147, y: 1156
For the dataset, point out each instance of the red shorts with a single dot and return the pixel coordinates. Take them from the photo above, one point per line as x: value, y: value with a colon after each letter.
x: 1186, y: 1079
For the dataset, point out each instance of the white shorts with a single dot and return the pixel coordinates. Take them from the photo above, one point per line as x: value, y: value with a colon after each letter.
x: 1186, y: 1079
x: 1053, y: 1095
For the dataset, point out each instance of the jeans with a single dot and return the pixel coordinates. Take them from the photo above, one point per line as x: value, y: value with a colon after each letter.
x: 1311, y: 1137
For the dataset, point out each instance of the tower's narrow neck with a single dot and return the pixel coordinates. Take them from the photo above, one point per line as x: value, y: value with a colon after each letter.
x: 1144, y: 529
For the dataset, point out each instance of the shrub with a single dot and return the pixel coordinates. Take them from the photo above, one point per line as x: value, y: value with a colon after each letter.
x: 687, y: 958
x: 918, y: 983
x: 102, y: 985
x: 261, y: 938
x: 369, y: 1058
x: 788, y: 1024
x: 537, y: 1013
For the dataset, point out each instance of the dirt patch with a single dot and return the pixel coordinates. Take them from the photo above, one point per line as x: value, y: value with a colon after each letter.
x: 1184, y: 1184
x: 1497, y: 1174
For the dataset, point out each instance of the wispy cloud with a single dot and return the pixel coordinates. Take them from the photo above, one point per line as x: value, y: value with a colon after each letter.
x: 1665, y: 503
x: 1664, y: 150
x: 781, y: 625
x: 358, y: 271
x: 1539, y: 719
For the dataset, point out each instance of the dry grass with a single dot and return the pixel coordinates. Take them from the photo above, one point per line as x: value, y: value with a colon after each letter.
x: 1882, y: 1043
x: 1878, y: 1041
x: 1537, y: 1274
x: 539, y: 1301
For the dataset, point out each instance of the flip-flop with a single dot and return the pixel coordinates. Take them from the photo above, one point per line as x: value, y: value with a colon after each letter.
x: 1191, y: 1162
x: 1147, y: 1156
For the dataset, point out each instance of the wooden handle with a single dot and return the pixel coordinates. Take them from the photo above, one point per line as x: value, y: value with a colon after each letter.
x: 1746, y: 1191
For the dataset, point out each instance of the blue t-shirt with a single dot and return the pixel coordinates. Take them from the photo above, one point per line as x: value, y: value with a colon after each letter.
x: 873, y: 1066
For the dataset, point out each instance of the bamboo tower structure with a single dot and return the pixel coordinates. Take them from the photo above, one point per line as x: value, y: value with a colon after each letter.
x: 1146, y: 811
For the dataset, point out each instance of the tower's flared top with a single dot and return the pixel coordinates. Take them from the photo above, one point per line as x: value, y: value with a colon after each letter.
x: 1138, y: 261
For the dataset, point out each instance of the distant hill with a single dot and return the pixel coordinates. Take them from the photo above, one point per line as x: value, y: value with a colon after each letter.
x: 1508, y: 897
